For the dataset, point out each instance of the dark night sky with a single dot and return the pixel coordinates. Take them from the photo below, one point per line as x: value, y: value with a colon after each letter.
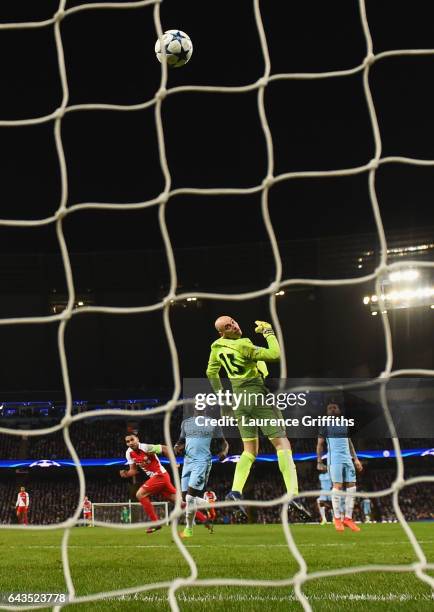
x: 213, y: 140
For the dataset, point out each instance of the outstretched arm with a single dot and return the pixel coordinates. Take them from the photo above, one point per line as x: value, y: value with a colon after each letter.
x: 272, y: 353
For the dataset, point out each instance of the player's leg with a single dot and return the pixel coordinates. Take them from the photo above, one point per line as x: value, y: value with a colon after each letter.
x: 247, y: 458
x: 197, y: 481
x: 329, y: 508
x: 249, y: 436
x: 210, y: 514
x: 277, y: 435
x: 322, y: 511
x: 185, y: 480
x: 288, y: 470
x: 169, y: 493
x: 336, y: 476
x: 192, y: 477
x: 320, y: 508
x: 160, y: 485
x: 286, y: 463
x: 350, y: 487
x: 210, y: 511
x: 143, y: 497
x: 342, y: 506
x: 191, y: 512
x: 21, y: 516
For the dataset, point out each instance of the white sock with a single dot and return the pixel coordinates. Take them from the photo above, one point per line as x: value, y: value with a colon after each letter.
x: 190, y: 510
x: 336, y: 503
x: 322, y: 511
x: 201, y: 502
x: 349, y: 502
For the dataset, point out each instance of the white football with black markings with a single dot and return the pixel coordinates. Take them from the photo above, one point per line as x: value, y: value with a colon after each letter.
x: 178, y: 48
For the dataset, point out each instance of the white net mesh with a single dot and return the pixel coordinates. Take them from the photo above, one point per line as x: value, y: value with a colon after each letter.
x: 420, y: 567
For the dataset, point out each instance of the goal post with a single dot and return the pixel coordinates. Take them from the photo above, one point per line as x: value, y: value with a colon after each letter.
x: 126, y: 512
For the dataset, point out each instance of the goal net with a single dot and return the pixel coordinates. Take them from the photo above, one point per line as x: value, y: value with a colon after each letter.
x: 105, y: 514
x: 126, y: 513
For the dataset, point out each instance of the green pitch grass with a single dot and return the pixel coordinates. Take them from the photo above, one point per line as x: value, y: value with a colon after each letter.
x: 107, y: 559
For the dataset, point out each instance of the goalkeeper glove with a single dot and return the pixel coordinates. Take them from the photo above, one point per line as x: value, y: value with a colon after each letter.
x: 264, y: 328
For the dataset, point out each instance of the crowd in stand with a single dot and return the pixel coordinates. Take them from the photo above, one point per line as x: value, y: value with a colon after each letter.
x: 96, y: 439
x: 10, y: 446
x: 416, y: 501
x: 54, y: 500
x: 105, y: 439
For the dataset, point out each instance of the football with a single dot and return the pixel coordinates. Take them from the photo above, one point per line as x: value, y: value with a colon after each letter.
x: 178, y: 46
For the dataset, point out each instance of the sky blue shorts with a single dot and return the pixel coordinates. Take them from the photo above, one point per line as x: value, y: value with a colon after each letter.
x: 342, y: 472
x: 195, y: 474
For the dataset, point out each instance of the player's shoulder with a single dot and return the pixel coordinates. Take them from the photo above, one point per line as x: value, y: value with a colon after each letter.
x: 244, y: 346
x: 144, y: 447
x: 325, y: 431
x: 130, y: 452
x: 231, y: 342
x: 244, y: 341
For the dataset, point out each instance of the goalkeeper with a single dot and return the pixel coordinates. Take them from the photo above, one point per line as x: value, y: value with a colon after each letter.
x: 245, y: 366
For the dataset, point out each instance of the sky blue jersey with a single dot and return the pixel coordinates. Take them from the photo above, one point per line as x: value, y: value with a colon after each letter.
x: 338, y: 446
x: 197, y: 439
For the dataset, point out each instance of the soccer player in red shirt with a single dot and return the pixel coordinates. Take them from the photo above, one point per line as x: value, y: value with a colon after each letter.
x: 144, y: 456
x: 211, y: 498
x: 87, y: 510
x: 22, y: 506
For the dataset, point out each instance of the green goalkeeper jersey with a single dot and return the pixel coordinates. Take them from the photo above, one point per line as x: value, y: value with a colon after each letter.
x: 241, y: 359
x: 125, y: 515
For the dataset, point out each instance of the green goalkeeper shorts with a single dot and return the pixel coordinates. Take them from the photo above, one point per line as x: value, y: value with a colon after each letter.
x: 253, y: 413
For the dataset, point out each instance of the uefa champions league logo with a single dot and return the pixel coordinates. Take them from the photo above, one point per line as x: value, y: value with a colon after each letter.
x: 44, y: 463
